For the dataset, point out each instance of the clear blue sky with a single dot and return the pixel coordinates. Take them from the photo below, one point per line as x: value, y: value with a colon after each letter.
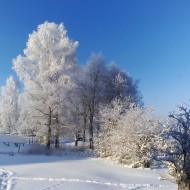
x: 150, y: 39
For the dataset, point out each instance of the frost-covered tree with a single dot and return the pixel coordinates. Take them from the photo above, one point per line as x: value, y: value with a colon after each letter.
x: 175, y: 148
x: 128, y: 133
x: 120, y: 85
x: 95, y: 84
x: 91, y: 89
x: 78, y: 110
x: 45, y: 69
x: 28, y: 125
x: 10, y: 106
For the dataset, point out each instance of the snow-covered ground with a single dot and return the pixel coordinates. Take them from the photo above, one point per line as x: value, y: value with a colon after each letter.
x: 42, y: 172
x: 71, y: 170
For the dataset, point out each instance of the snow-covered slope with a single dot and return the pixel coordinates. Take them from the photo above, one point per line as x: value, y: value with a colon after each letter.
x: 23, y: 172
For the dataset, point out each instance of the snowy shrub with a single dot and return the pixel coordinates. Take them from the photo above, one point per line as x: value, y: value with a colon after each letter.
x: 128, y: 133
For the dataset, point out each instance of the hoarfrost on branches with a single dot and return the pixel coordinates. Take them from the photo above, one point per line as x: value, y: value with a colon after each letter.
x: 45, y: 70
x: 175, y: 149
x: 128, y: 133
x: 10, y: 107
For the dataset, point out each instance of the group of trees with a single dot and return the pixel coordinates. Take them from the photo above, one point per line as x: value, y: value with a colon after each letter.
x: 57, y: 94
x: 57, y: 97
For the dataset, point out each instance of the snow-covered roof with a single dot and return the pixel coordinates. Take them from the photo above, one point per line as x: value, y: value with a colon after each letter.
x: 5, y: 138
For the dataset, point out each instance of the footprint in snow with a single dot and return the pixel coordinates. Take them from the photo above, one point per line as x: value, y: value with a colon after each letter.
x: 5, y: 179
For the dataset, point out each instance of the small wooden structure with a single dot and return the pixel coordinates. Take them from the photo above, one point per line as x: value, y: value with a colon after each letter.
x: 8, y: 139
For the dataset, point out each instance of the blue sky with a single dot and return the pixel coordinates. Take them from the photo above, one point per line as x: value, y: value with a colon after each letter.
x: 150, y: 39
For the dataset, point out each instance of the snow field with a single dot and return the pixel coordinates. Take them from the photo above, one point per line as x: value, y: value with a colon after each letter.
x: 21, y: 172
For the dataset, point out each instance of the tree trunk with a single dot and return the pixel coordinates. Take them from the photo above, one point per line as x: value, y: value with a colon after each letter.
x: 91, y: 133
x: 48, y: 138
x: 57, y: 135
x: 84, y: 130
x: 91, y: 139
x: 76, y: 137
x: 49, y: 130
x: 57, y: 140
x: 76, y: 142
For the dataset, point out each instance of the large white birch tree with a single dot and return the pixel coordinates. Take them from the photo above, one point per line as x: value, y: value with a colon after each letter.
x: 45, y: 69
